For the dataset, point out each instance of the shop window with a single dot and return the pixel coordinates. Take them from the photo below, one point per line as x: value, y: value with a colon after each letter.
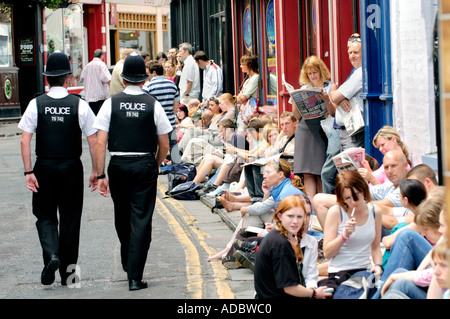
x: 138, y: 31
x: 64, y: 32
x: 6, y: 56
x: 271, y: 60
x: 166, y: 32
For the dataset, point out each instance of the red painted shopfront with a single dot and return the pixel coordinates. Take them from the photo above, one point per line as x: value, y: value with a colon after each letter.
x: 284, y: 32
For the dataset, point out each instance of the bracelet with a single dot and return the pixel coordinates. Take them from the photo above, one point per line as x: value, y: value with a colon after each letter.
x: 313, y: 293
x: 343, y: 237
x: 379, y: 265
x: 101, y: 176
x: 27, y: 173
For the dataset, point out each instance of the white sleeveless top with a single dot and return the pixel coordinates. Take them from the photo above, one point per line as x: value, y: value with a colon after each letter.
x: 355, y: 253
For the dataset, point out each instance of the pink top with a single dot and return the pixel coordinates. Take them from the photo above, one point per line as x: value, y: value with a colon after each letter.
x: 423, y: 277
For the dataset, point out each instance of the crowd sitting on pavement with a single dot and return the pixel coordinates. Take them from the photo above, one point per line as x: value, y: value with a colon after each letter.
x: 274, y: 171
x: 389, y: 200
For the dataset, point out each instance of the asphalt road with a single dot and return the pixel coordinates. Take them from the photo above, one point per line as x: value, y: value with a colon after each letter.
x: 185, y: 233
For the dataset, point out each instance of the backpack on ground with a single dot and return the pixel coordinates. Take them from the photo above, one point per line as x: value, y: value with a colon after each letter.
x: 185, y: 191
x: 180, y: 173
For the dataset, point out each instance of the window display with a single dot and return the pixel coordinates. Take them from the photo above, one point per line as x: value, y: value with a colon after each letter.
x: 64, y: 32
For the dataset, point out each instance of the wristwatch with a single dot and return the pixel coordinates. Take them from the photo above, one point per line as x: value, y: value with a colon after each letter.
x: 101, y: 176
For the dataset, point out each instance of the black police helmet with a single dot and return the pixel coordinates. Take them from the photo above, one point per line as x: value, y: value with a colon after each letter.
x: 134, y: 69
x: 57, y: 64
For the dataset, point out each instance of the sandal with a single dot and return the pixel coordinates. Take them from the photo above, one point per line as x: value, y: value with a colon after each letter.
x: 215, y: 257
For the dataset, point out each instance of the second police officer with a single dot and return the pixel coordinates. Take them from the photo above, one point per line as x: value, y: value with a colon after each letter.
x: 134, y: 127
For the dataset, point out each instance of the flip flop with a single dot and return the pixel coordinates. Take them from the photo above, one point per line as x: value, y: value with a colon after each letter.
x: 215, y: 257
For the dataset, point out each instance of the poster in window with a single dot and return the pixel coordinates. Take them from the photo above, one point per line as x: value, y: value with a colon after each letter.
x: 247, y: 28
x: 26, y: 50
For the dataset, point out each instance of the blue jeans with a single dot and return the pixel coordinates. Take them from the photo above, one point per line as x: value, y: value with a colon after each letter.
x: 408, y: 251
x: 329, y: 170
x: 406, y: 287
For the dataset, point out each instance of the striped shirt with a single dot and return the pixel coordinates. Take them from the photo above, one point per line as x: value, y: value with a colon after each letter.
x: 165, y: 92
x: 96, y: 77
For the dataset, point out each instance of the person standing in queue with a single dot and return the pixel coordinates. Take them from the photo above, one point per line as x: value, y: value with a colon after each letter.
x: 135, y: 128
x: 57, y: 118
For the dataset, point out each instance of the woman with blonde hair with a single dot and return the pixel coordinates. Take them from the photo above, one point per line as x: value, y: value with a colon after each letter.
x: 170, y: 70
x: 310, y: 139
x: 279, y: 257
x: 386, y: 139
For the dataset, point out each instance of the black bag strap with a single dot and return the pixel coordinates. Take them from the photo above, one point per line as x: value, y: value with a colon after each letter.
x: 285, y: 145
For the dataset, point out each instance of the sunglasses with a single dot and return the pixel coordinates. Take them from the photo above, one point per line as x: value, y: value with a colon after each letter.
x: 355, y: 37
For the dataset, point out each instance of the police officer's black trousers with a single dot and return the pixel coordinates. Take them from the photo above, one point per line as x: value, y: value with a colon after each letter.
x: 60, y: 188
x: 133, y: 182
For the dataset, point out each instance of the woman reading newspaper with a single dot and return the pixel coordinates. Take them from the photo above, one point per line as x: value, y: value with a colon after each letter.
x: 312, y: 106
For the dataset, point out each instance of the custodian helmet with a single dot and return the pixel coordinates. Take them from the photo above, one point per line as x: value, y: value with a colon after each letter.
x: 134, y: 69
x: 57, y: 64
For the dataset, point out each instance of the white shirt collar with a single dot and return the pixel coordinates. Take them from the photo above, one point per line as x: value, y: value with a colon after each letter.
x: 57, y: 92
x: 133, y: 90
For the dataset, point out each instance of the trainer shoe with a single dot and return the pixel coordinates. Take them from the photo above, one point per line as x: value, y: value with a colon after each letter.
x: 245, y: 245
x: 208, y: 189
x: 229, y: 262
x: 219, y: 190
x: 245, y: 259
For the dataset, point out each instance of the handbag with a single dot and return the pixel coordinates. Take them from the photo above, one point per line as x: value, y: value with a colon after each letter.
x: 248, y: 109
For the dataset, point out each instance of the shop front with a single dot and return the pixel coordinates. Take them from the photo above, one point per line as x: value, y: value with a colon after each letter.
x: 9, y: 95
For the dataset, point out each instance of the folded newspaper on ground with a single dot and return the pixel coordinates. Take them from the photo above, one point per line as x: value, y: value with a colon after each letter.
x: 252, y: 229
x: 307, y: 101
x: 353, y: 120
x: 350, y: 159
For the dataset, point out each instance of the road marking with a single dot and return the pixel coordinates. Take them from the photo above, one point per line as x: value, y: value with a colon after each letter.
x: 220, y: 273
x: 193, y: 267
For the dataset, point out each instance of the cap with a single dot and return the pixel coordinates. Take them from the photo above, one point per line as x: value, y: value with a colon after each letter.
x: 134, y: 69
x: 57, y: 64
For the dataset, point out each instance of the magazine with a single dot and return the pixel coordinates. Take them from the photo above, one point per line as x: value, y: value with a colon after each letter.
x: 353, y: 120
x: 307, y: 101
x: 350, y: 159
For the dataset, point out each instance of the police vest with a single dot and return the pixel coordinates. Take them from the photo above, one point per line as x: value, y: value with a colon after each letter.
x: 132, y: 127
x: 58, y: 133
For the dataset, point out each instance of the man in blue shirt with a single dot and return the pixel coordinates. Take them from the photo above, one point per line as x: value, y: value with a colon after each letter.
x: 166, y: 92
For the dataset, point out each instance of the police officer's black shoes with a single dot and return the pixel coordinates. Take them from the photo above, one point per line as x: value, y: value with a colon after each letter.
x: 48, y: 273
x: 137, y: 285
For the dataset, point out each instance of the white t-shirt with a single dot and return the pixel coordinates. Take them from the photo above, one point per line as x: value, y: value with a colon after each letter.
x: 190, y: 73
x: 386, y: 190
x: 103, y: 119
x: 351, y: 90
x: 86, y: 117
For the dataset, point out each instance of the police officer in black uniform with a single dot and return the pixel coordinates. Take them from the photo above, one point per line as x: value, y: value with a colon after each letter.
x: 135, y: 128
x: 58, y: 119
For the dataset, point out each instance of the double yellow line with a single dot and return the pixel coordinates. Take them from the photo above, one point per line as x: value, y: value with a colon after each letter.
x: 193, y: 262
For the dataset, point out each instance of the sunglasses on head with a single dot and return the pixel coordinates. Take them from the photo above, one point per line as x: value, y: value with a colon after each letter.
x: 355, y: 37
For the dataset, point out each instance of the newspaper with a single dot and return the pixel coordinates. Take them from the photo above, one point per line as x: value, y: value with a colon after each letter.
x: 350, y: 159
x: 307, y: 101
x: 264, y: 160
x: 353, y: 120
